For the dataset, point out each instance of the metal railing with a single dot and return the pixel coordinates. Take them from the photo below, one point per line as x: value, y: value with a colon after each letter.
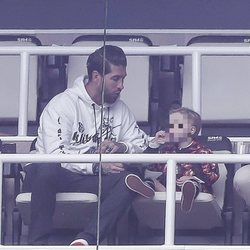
x: 171, y: 159
x: 196, y: 53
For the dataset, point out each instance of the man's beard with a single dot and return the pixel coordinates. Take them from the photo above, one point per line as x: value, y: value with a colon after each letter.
x: 110, y: 99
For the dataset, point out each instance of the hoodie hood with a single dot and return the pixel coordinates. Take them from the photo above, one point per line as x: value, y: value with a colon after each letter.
x: 79, y: 90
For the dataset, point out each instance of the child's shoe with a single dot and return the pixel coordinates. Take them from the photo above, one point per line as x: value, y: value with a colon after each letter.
x: 189, y: 190
x: 135, y: 184
x: 79, y: 242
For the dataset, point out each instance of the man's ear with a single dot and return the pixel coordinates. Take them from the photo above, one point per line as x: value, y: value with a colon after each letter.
x: 193, y: 130
x: 96, y: 76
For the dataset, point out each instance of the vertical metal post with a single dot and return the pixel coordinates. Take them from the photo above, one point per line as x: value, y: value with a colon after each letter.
x: 196, y: 82
x: 23, y: 95
x: 1, y: 195
x: 170, y: 203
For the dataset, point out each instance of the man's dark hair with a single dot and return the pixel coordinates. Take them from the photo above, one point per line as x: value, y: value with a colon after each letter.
x: 113, y: 55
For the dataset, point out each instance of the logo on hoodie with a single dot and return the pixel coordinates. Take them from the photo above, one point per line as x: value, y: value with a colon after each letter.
x: 107, y: 133
x: 80, y: 127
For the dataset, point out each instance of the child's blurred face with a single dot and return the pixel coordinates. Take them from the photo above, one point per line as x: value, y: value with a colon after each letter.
x: 180, y: 127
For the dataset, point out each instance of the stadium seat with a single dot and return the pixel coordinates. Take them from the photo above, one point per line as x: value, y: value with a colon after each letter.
x: 72, y: 211
x: 10, y: 79
x: 138, y: 82
x: 9, y: 183
x: 218, y: 74
x: 214, y: 211
x: 240, y: 183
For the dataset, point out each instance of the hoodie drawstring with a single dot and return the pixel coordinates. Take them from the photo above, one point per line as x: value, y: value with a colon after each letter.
x: 96, y: 130
x: 108, y: 135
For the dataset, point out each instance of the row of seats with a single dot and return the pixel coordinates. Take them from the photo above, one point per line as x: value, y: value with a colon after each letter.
x: 42, y: 93
x: 50, y: 75
x: 151, y: 98
x: 159, y: 80
x: 211, y: 214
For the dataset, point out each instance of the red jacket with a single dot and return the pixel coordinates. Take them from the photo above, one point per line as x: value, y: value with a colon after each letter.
x: 208, y: 172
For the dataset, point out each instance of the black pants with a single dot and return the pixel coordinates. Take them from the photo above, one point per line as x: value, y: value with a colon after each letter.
x: 45, y: 180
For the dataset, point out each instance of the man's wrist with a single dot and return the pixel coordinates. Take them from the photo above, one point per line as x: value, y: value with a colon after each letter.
x: 96, y: 168
x: 124, y: 147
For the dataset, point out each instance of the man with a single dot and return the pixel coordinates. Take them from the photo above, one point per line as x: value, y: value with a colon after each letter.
x: 71, y: 124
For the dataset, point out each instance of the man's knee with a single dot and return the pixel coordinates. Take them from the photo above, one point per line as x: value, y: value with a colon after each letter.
x: 117, y: 181
x: 40, y: 173
x: 136, y: 168
x: 48, y: 170
x: 123, y: 187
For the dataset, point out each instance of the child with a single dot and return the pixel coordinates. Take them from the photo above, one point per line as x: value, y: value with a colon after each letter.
x: 184, y: 126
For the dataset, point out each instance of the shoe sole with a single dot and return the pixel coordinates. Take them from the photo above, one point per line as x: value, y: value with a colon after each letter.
x: 135, y: 184
x: 188, y: 195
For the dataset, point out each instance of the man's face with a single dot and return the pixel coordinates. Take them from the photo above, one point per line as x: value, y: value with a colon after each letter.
x: 180, y: 127
x: 113, y: 84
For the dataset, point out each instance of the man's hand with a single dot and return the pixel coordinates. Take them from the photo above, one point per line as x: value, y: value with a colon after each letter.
x: 109, y: 147
x: 112, y: 168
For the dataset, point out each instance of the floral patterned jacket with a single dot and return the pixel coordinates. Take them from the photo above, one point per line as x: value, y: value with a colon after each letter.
x: 207, y: 172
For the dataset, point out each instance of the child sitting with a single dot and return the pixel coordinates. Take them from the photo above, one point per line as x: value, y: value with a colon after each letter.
x: 184, y: 126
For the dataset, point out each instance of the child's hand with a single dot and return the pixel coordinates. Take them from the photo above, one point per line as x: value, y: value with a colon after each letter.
x: 182, y: 179
x: 161, y: 137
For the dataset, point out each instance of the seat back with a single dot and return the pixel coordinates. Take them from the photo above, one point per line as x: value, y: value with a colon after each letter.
x: 72, y: 211
x: 67, y: 204
x: 10, y: 79
x: 137, y: 82
x: 223, y: 186
x: 224, y: 81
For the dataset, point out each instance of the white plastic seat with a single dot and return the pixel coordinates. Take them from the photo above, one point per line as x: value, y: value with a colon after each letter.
x: 67, y: 206
x: 241, y: 185
x: 214, y: 211
x: 218, y: 75
x: 10, y: 79
x: 73, y: 210
x: 204, y: 206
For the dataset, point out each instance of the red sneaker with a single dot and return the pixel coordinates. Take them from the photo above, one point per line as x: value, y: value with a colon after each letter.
x: 188, y: 195
x: 79, y: 242
x: 135, y: 184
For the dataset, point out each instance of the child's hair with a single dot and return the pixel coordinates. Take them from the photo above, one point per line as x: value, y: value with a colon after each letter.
x: 193, y: 116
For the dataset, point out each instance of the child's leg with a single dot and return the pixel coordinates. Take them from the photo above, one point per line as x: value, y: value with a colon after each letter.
x: 145, y: 188
x: 190, y: 190
x: 159, y: 187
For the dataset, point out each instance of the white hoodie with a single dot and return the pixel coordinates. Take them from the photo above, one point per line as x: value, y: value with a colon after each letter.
x: 71, y: 121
